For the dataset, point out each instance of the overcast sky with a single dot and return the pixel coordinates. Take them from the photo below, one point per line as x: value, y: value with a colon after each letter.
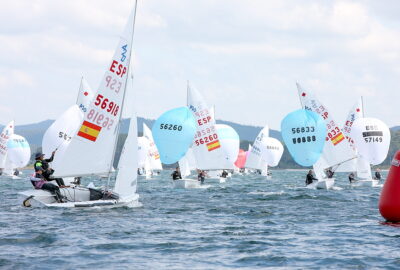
x: 244, y: 56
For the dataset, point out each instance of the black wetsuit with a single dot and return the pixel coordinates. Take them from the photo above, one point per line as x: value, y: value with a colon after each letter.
x: 310, y: 178
x: 224, y: 174
x: 50, y: 187
x: 329, y: 173
x: 201, y: 177
x: 47, y: 171
x: 378, y: 176
x: 176, y: 175
x: 351, y: 178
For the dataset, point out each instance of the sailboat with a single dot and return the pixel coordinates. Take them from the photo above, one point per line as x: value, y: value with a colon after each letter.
x: 210, y: 155
x: 337, y: 151
x: 372, y: 140
x: 304, y: 133
x: 91, y: 150
x: 153, y: 162
x: 186, y: 165
x: 254, y: 160
x: 271, y: 151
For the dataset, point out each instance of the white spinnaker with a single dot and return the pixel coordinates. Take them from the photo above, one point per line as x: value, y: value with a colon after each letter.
x: 60, y: 133
x: 19, y: 152
x: 254, y: 160
x: 143, y: 149
x: 91, y: 150
x: 126, y: 182
x: 8, y: 130
x: 372, y: 138
x: 230, y: 142
x: 154, y: 156
x: 206, y: 147
x: 85, y: 96
x: 337, y: 150
x: 271, y: 151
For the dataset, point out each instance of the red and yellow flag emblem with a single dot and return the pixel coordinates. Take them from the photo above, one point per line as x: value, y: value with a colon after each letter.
x: 337, y: 139
x: 213, y: 145
x: 89, y: 131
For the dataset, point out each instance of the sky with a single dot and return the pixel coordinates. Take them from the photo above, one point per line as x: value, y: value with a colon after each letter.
x: 243, y: 56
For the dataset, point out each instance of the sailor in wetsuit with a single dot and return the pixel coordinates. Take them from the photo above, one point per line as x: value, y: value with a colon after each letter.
x: 352, y: 178
x: 310, y: 178
x: 43, y: 164
x: 39, y: 182
x: 378, y: 175
x: 176, y: 174
x: 224, y: 174
x: 201, y: 176
x: 329, y: 173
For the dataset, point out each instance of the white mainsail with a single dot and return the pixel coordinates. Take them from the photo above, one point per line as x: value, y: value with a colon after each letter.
x: 206, y: 147
x: 85, y: 95
x: 91, y: 150
x: 154, y: 156
x: 254, y: 160
x: 8, y: 130
x: 337, y: 150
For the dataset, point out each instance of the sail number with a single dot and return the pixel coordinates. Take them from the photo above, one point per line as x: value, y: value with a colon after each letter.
x: 373, y: 139
x: 206, y: 139
x: 303, y: 129
x: 64, y: 136
x: 113, y: 84
x: 304, y: 139
x: 105, y: 104
x: 170, y: 127
x: 99, y: 119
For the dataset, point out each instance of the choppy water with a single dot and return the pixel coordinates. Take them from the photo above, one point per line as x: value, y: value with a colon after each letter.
x: 249, y: 222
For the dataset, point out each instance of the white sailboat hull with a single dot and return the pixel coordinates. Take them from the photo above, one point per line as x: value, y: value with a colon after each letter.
x: 76, y: 197
x: 322, y: 184
x: 365, y: 183
x: 186, y: 183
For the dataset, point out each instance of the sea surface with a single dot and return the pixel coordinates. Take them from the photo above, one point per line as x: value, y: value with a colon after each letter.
x: 248, y: 222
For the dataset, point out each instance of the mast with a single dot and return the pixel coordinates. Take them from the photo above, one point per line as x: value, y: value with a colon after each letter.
x: 123, y: 101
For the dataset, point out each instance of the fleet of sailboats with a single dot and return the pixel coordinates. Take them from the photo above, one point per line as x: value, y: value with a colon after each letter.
x: 85, y: 138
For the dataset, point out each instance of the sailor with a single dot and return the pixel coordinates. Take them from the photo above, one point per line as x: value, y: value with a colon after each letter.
x: 378, y: 175
x: 310, y: 178
x: 201, y: 176
x: 47, y: 171
x: 39, y: 182
x: 329, y: 173
x: 352, y: 178
x: 224, y: 174
x: 16, y: 172
x: 176, y: 174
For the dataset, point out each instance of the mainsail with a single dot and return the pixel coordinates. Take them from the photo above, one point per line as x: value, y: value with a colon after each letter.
x: 91, y: 150
x: 337, y: 150
x: 8, y: 130
x: 206, y: 147
x: 254, y: 160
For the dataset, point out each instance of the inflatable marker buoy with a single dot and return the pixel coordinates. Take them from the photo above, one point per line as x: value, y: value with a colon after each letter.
x: 389, y: 202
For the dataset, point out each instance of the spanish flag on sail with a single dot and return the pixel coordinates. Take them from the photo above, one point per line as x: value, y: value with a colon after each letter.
x: 89, y: 131
x: 337, y: 139
x: 213, y: 145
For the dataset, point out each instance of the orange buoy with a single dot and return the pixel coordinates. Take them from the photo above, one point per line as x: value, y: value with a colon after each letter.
x: 389, y: 202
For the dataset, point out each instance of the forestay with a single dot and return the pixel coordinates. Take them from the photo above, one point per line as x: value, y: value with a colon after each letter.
x: 254, y: 160
x: 173, y: 134
x: 153, y: 154
x: 304, y: 135
x: 337, y: 150
x: 372, y: 139
x: 8, y: 130
x: 91, y: 150
x: 206, y: 147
